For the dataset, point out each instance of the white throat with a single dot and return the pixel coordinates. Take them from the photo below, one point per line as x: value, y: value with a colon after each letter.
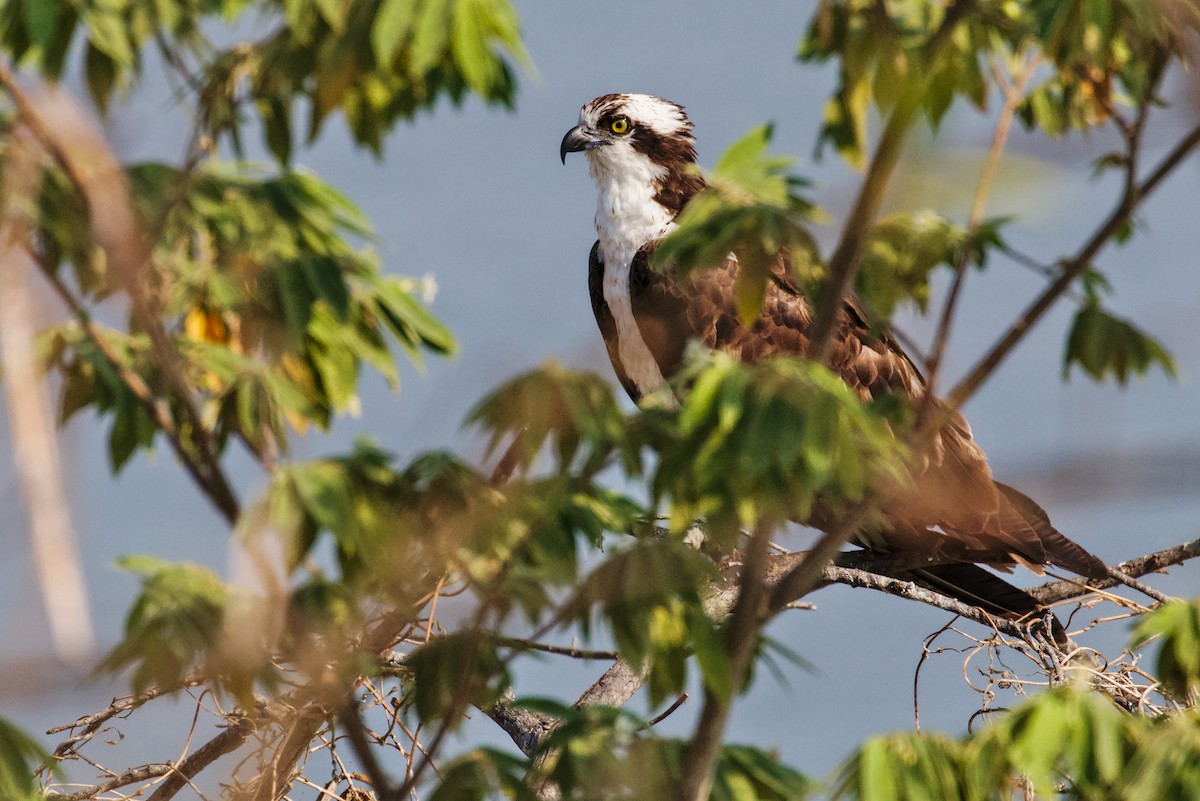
x: 627, y: 217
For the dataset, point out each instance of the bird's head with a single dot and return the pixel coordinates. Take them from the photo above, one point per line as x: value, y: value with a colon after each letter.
x: 638, y: 137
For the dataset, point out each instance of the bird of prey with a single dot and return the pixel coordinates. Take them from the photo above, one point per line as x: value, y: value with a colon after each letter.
x: 641, y: 153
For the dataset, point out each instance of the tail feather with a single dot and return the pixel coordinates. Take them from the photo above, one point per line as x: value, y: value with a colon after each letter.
x: 1019, y: 512
x: 972, y: 584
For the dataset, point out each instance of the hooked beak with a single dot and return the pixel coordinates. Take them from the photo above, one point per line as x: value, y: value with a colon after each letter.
x: 577, y: 139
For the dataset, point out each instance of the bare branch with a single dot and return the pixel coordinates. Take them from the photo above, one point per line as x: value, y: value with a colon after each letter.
x: 1013, y: 94
x: 558, y: 650
x: 1072, y: 269
x: 137, y: 775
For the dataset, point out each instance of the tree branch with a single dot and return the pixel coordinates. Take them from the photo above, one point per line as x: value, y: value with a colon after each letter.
x: 750, y: 612
x: 1072, y: 269
x: 224, y: 743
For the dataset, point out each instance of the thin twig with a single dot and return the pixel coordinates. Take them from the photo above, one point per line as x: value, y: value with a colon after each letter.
x: 559, y: 650
x: 356, y: 732
x: 1072, y: 269
x: 657, y: 719
x: 750, y: 613
x: 1013, y: 94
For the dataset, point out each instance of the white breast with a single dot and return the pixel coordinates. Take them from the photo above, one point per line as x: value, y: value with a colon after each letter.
x: 627, y: 217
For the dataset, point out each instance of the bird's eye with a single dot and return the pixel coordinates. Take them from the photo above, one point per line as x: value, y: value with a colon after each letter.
x: 620, y: 125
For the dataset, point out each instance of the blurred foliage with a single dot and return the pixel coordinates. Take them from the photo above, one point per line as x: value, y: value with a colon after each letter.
x: 376, y: 61
x: 902, y: 251
x: 1099, y: 54
x: 761, y: 444
x: 606, y: 753
x: 1177, y: 626
x: 1067, y: 743
x: 173, y: 625
x: 1105, y: 345
x: 20, y: 755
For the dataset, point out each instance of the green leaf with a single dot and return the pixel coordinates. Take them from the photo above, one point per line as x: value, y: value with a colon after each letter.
x: 901, y: 252
x: 759, y: 443
x: 392, y: 24
x: 1105, y: 345
x: 575, y: 413
x: 650, y: 596
x: 745, y: 773
x: 750, y: 208
x: 452, y: 673
x: 172, y: 626
x: 1177, y: 624
x: 20, y: 756
x: 41, y: 20
x: 483, y: 774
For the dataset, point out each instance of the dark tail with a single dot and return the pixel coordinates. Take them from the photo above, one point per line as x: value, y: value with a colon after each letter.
x: 1022, y: 518
x: 973, y: 585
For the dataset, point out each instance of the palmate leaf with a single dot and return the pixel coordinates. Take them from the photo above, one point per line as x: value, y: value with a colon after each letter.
x: 574, y: 413
x: 377, y: 62
x: 882, y: 55
x: 650, y: 597
x: 451, y: 673
x: 903, y: 249
x: 90, y: 380
x: 759, y: 442
x: 529, y: 543
x: 1177, y: 624
x: 602, y: 752
x: 20, y: 756
x: 1108, y: 346
x: 1066, y: 737
x: 907, y: 767
x: 173, y: 625
x: 276, y: 305
x: 1100, y: 55
x: 482, y: 774
x: 750, y: 208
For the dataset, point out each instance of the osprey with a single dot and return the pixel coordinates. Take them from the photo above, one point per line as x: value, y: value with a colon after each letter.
x: 641, y: 154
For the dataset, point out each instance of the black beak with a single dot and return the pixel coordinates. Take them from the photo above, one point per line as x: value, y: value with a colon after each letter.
x: 577, y: 139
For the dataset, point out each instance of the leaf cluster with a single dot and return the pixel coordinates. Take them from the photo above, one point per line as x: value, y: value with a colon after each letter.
x: 751, y: 208
x: 904, y: 248
x: 172, y: 628
x: 1105, y: 345
x: 1098, y: 55
x: 1065, y: 743
x: 376, y: 61
x: 271, y: 305
x: 767, y: 442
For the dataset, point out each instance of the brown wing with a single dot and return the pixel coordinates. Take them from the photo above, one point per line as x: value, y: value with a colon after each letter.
x: 952, y: 507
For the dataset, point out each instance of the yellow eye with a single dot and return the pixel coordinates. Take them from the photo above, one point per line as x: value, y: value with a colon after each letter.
x: 620, y: 125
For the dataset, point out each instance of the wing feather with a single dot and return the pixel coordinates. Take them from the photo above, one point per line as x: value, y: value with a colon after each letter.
x: 952, y: 506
